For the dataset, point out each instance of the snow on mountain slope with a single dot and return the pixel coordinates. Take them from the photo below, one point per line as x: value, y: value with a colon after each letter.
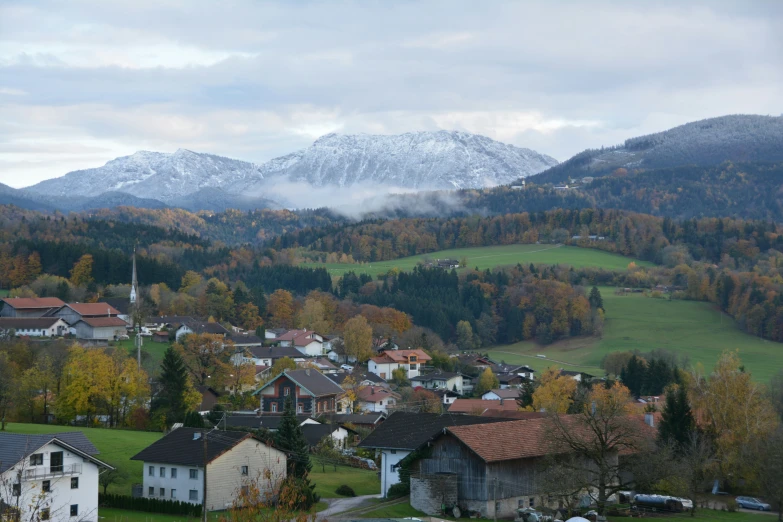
x: 153, y: 175
x: 416, y: 160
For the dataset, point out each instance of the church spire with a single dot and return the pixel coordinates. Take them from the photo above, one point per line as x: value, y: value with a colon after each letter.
x: 134, y: 282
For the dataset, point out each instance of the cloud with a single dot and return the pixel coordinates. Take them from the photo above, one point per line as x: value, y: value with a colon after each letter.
x: 255, y: 80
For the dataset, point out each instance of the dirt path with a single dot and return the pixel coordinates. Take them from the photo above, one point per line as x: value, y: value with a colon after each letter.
x: 341, y: 505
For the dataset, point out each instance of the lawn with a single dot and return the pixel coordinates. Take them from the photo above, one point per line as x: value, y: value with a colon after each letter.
x: 151, y: 352
x: 711, y: 515
x: 363, y: 482
x: 3, y: 293
x: 116, y: 448
x: 633, y: 322
x: 121, y: 515
x: 491, y: 257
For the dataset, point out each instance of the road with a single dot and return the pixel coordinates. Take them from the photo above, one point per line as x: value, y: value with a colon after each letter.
x: 340, y: 505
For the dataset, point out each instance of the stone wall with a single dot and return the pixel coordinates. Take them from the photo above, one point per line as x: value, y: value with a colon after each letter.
x: 430, y: 493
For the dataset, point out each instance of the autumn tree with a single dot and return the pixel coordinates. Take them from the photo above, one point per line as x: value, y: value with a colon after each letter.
x: 206, y: 357
x: 423, y: 401
x: 81, y: 273
x: 466, y: 341
x: 313, y: 317
x: 555, y: 392
x: 597, y: 435
x: 281, y: 365
x: 400, y: 377
x: 280, y: 308
x: 34, y: 268
x: 735, y: 411
x: 487, y: 381
x: 357, y: 336
x: 248, y: 316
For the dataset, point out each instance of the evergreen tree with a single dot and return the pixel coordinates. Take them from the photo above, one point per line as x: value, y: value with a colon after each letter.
x: 291, y: 440
x: 633, y: 375
x: 677, y: 421
x: 173, y: 387
x: 193, y: 420
x: 596, y: 301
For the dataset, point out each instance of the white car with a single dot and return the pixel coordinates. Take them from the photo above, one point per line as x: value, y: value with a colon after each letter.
x: 347, y: 367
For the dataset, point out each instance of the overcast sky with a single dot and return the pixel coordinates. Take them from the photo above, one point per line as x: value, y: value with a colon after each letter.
x: 82, y: 82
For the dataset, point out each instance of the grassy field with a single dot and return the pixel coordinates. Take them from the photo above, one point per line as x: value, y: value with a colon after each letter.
x: 3, y: 293
x: 152, y: 352
x: 363, y: 482
x: 116, y: 448
x: 121, y: 515
x: 490, y: 257
x: 634, y: 322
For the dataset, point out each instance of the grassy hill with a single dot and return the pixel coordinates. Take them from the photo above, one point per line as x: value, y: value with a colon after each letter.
x: 635, y: 322
x: 491, y: 257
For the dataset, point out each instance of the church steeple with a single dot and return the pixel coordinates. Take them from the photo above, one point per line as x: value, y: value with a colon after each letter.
x: 134, y: 282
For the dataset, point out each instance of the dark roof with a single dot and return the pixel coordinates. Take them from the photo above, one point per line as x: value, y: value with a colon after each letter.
x: 359, y: 418
x: 505, y: 378
x: 14, y: 446
x: 119, y: 303
x: 274, y: 352
x: 409, y: 431
x: 270, y: 422
x: 246, y: 339
x: 181, y: 446
x: 311, y: 380
x: 358, y: 377
x: 435, y: 376
x: 202, y: 327
x: 511, y: 368
x: 26, y: 323
x: 315, y: 432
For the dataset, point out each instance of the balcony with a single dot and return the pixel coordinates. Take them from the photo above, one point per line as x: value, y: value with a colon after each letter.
x: 43, y: 472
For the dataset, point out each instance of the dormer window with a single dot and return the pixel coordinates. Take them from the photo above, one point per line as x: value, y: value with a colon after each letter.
x: 413, y: 358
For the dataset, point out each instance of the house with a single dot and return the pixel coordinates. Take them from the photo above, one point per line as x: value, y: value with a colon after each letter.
x: 50, y: 477
x: 479, y: 406
x: 314, y: 433
x: 358, y: 379
x: 246, y: 340
x: 511, y: 394
x: 510, y: 380
x: 313, y: 392
x: 100, y: 328
x: 376, y: 399
x: 274, y: 333
x: 324, y: 365
x: 194, y: 326
x: 439, y: 380
x: 402, y: 433
x: 494, y: 465
x: 255, y: 421
x: 390, y: 360
x: 160, y: 337
x: 209, y: 398
x: 34, y: 326
x: 577, y: 376
x: 446, y: 396
x: 508, y: 369
x: 307, y: 342
x: 28, y: 306
x: 174, y: 466
x: 478, y: 361
x: 265, y: 355
x: 360, y: 420
x: 72, y: 313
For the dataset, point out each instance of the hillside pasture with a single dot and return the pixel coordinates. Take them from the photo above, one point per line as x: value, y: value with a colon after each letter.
x: 694, y: 330
x: 494, y: 256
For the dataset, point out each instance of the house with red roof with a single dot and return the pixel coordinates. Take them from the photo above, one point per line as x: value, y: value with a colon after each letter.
x: 72, y: 313
x: 307, y: 342
x: 409, y: 360
x: 29, y: 306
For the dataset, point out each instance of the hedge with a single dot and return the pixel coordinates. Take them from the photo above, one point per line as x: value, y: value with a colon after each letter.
x: 150, y: 505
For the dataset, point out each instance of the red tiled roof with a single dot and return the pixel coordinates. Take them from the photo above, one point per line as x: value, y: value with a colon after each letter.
x: 97, y: 322
x: 400, y: 356
x: 375, y: 394
x: 33, y: 302
x: 479, y: 406
x: 97, y: 309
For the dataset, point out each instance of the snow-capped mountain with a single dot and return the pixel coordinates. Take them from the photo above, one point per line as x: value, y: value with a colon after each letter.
x: 415, y: 160
x: 419, y: 160
x: 153, y: 175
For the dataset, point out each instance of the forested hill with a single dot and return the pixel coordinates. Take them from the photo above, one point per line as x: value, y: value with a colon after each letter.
x: 738, y: 138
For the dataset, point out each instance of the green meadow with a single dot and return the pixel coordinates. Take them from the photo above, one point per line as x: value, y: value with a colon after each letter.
x: 692, y: 329
x: 491, y: 257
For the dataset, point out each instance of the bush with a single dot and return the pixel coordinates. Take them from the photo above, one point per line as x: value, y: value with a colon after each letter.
x: 150, y: 505
x: 398, y: 490
x: 731, y: 505
x: 346, y: 491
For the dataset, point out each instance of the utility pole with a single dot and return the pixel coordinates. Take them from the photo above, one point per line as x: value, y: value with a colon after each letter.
x: 495, y: 499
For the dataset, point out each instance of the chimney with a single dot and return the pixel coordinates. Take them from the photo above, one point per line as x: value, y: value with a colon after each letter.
x: 649, y: 419
x: 372, y: 390
x: 501, y: 401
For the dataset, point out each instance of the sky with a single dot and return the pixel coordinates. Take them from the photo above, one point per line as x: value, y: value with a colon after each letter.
x: 83, y: 82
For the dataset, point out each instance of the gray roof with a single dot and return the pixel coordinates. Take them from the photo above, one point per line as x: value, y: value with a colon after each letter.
x: 357, y: 377
x: 358, y: 418
x: 311, y: 380
x: 435, y: 376
x: 274, y: 352
x: 268, y: 421
x: 15, y: 446
x: 27, y: 323
x: 180, y: 446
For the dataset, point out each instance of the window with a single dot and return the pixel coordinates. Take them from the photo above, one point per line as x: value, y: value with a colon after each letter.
x: 286, y: 391
x: 298, y: 408
x: 74, y: 510
x: 46, y: 486
x: 413, y: 358
x: 194, y: 474
x: 532, y: 502
x: 162, y: 472
x: 45, y: 514
x: 274, y: 407
x: 173, y: 494
x: 162, y: 492
x: 193, y: 494
x: 244, y: 471
x: 17, y: 490
x: 383, y: 375
x: 393, y: 452
x: 74, y: 482
x: 151, y: 471
x: 173, y: 472
x: 151, y: 491
x: 36, y: 459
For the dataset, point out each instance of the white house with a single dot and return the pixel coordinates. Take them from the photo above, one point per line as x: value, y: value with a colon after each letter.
x: 306, y: 341
x: 409, y: 360
x: 174, y: 466
x: 502, y: 394
x: 192, y: 326
x: 315, y: 432
x: 439, y: 380
x: 34, y: 326
x: 376, y: 399
x: 50, y: 477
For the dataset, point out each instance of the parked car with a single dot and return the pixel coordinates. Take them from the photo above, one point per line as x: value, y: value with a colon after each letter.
x: 753, y: 503
x: 347, y: 367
